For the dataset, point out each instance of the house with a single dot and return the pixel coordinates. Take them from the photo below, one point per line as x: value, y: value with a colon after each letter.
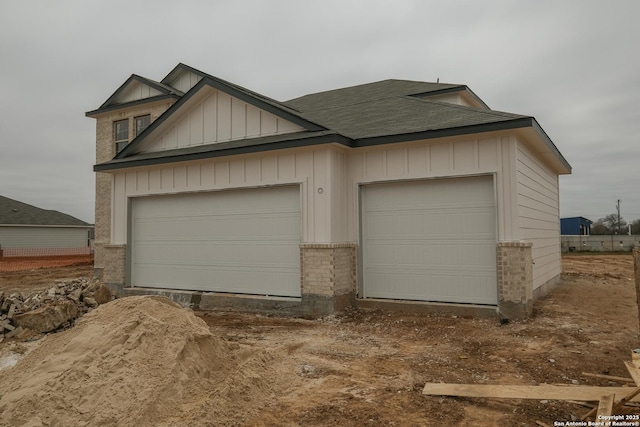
x: 25, y: 226
x: 389, y: 194
x: 575, y: 226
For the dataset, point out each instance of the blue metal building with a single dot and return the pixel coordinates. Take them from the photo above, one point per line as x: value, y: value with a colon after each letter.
x: 575, y: 226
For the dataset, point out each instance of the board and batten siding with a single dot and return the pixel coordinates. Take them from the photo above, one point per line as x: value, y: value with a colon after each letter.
x: 136, y: 91
x: 43, y: 237
x: 438, y: 159
x: 215, y: 116
x: 307, y: 167
x: 185, y: 81
x: 538, y: 214
x: 330, y: 176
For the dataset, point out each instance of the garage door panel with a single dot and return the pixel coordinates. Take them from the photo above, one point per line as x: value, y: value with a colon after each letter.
x: 410, y: 285
x: 243, y: 241
x: 431, y: 223
x: 430, y: 240
x: 200, y: 275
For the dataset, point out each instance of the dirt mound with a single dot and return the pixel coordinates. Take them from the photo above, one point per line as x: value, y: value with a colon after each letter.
x: 135, y: 361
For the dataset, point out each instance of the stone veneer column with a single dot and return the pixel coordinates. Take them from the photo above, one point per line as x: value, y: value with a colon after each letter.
x: 109, y: 263
x: 328, y: 276
x: 515, y: 279
x: 114, y: 261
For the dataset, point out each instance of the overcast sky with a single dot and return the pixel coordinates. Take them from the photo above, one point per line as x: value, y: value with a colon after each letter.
x: 573, y: 65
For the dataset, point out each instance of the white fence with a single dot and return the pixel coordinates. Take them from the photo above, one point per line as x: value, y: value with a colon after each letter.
x: 600, y: 243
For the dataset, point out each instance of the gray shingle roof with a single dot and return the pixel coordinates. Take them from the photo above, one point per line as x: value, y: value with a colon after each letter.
x: 393, y: 115
x: 382, y: 112
x: 366, y: 92
x: 13, y: 212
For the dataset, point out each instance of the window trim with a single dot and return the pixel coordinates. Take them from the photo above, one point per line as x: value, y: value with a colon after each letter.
x: 136, y: 130
x: 115, y: 131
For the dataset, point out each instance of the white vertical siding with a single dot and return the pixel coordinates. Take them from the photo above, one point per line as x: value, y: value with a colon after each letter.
x: 310, y: 168
x: 449, y: 98
x: 508, y: 228
x: 136, y: 91
x: 218, y: 117
x: 338, y: 195
x: 526, y: 190
x: 426, y: 159
x: 185, y: 81
x: 538, y: 214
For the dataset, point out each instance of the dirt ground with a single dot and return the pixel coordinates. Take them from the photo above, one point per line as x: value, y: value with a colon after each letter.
x: 361, y: 368
x: 32, y: 263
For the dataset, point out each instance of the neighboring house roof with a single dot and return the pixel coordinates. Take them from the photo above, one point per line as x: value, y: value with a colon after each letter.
x: 13, y: 212
x: 370, y: 114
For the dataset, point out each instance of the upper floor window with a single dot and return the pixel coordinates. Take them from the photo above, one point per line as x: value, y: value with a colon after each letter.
x: 121, y: 134
x: 141, y: 123
x: 121, y: 130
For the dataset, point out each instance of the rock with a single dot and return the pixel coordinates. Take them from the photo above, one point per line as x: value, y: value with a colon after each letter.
x: 17, y: 332
x: 47, y: 318
x: 307, y: 369
x: 102, y: 294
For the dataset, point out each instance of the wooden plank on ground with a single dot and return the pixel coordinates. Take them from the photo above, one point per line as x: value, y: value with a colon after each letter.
x: 543, y: 391
x: 627, y: 398
x: 609, y: 377
x: 636, y: 269
x: 633, y: 371
x: 605, y: 406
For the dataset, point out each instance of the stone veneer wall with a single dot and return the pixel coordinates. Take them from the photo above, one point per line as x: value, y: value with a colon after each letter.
x: 113, y: 258
x: 329, y: 271
x: 105, y: 151
x: 515, y: 279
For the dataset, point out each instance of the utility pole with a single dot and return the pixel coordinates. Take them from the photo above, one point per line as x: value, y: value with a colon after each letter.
x: 618, y: 209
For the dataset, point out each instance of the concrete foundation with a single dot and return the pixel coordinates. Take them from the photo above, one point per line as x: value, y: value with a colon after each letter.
x: 307, y: 306
x: 547, y: 287
x: 328, y: 276
x: 460, y: 310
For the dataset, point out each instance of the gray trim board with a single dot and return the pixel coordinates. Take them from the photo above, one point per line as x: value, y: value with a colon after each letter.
x: 229, y: 89
x: 280, y: 142
x: 222, y: 149
x: 161, y: 87
x: 131, y: 104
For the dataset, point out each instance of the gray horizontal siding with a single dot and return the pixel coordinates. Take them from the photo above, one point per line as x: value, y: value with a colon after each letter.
x: 43, y: 237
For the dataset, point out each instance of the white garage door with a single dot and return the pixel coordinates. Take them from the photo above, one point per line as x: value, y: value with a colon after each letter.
x: 240, y: 241
x: 432, y: 240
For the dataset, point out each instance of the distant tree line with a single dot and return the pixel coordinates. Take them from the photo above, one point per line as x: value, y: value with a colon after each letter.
x: 614, y: 224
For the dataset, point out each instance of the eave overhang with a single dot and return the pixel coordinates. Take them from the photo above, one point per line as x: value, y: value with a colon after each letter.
x: 527, y: 125
x: 115, y: 107
x: 224, y: 149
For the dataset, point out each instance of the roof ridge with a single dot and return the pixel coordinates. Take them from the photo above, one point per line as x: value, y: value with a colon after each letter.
x: 465, y: 107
